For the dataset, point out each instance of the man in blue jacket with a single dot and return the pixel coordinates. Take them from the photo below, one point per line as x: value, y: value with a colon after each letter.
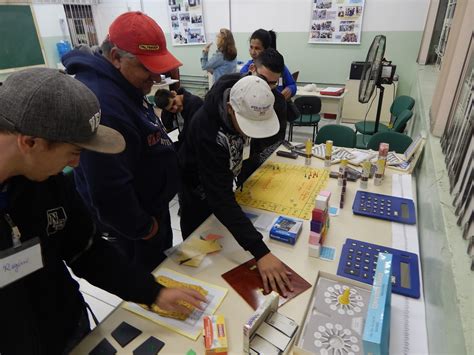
x: 45, y: 124
x: 129, y: 194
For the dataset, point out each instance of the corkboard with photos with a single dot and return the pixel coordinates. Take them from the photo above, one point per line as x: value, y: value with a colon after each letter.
x: 336, y: 21
x: 187, y: 22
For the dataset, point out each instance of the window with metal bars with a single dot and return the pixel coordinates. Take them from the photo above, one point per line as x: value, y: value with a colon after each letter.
x: 81, y: 24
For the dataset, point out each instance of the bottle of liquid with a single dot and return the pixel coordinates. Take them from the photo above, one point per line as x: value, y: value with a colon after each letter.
x: 364, y: 179
x: 309, y: 151
x: 379, y: 173
x: 328, y: 154
x: 342, y: 170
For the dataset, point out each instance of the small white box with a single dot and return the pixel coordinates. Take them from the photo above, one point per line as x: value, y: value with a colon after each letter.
x: 274, y: 336
x: 314, y: 250
x: 252, y: 339
x: 284, y: 324
x: 322, y: 202
x: 263, y: 347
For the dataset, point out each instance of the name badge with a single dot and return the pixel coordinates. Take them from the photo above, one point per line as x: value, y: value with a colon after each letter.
x: 16, y: 263
x: 280, y: 81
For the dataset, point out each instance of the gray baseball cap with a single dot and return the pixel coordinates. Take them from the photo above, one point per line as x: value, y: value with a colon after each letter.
x: 48, y: 103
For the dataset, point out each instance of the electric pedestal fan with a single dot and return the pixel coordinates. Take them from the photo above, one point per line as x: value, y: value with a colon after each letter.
x: 371, y: 75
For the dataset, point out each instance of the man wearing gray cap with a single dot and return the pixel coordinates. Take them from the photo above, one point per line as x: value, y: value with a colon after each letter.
x: 46, y: 119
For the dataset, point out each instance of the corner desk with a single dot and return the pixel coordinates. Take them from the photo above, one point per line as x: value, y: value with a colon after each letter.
x: 329, y: 104
x: 408, y: 328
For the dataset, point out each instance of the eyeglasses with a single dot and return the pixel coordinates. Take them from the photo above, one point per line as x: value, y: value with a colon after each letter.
x: 269, y: 82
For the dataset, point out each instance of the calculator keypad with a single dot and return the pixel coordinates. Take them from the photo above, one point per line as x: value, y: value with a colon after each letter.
x: 383, y: 207
x: 359, y: 262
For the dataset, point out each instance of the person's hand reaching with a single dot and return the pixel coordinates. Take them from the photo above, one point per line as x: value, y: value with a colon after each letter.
x: 274, y: 275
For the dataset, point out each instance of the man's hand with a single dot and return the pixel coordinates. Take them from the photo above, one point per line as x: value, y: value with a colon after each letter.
x: 168, y: 299
x: 286, y: 92
x: 274, y: 273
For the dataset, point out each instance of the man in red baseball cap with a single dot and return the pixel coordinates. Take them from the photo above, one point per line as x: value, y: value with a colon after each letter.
x: 129, y: 194
x: 141, y: 36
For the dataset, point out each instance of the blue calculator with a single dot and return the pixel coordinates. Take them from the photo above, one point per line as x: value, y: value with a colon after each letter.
x: 389, y: 208
x: 359, y: 260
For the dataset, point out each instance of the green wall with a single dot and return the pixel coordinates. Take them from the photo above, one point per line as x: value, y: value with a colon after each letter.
x: 321, y: 63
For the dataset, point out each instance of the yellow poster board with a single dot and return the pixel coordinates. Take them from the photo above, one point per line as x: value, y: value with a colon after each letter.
x: 283, y: 188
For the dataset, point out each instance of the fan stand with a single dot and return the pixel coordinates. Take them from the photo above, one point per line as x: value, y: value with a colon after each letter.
x: 379, y: 107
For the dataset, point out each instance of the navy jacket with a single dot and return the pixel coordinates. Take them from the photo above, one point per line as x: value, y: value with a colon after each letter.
x: 124, y: 191
x: 39, y: 312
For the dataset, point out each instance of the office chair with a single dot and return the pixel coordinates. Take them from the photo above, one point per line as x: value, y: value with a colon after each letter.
x: 341, y: 136
x: 309, y: 107
x: 398, y: 142
x: 400, y: 104
x: 399, y: 126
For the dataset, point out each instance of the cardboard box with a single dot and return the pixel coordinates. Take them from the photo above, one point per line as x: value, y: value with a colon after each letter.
x: 215, y: 335
x: 310, y: 310
x: 376, y: 336
x: 286, y: 230
x: 267, y: 331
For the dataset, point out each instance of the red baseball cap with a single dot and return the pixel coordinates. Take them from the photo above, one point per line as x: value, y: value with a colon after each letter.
x: 140, y: 35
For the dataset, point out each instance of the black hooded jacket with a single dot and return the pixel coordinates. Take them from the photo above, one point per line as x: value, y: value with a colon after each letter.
x: 210, y: 159
x: 40, y: 312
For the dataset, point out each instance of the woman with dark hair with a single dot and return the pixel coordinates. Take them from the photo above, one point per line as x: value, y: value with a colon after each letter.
x: 223, y: 61
x: 262, y: 39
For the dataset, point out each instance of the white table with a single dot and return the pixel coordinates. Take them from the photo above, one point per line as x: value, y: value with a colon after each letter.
x: 234, y: 308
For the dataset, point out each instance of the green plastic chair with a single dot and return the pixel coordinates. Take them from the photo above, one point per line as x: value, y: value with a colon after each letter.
x: 398, y: 142
x: 309, y: 107
x: 399, y: 105
x: 363, y: 139
x: 341, y: 136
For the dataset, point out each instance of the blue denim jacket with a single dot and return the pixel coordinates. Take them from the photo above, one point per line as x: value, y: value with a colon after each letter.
x: 218, y: 65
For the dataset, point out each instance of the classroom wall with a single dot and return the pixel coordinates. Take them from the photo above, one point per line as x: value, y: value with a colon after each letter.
x: 402, y: 21
x: 52, y: 27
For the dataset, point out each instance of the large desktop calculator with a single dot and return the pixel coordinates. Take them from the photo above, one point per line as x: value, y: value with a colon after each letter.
x: 359, y: 260
x: 389, y: 208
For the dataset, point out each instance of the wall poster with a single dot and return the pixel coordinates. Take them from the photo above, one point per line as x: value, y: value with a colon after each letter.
x: 187, y: 22
x: 336, y: 21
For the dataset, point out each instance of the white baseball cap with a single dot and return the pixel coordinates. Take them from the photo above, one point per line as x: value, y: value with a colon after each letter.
x: 252, y: 101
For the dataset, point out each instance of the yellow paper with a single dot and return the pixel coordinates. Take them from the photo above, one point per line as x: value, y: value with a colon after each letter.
x: 193, y: 251
x: 283, y: 188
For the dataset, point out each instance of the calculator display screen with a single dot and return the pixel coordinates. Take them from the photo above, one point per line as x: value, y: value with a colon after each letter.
x: 405, y: 281
x: 404, y: 210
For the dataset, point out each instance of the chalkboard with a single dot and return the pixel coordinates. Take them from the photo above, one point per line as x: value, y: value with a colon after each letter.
x: 19, y: 42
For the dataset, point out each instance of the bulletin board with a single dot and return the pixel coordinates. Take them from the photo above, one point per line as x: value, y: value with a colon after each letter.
x: 187, y: 22
x: 20, y: 46
x: 283, y: 188
x: 336, y: 21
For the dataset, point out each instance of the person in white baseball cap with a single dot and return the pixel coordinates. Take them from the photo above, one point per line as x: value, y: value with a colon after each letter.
x: 211, y: 156
x: 252, y: 102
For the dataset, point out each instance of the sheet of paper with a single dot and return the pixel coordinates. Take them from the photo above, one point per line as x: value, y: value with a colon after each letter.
x: 193, y: 325
x: 412, y: 337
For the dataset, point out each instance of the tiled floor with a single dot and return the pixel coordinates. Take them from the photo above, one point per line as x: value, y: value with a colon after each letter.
x: 102, y: 302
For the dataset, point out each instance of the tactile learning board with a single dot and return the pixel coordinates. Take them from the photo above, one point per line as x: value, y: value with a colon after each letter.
x: 359, y: 260
x: 332, y: 327
x: 283, y: 188
x: 389, y: 208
